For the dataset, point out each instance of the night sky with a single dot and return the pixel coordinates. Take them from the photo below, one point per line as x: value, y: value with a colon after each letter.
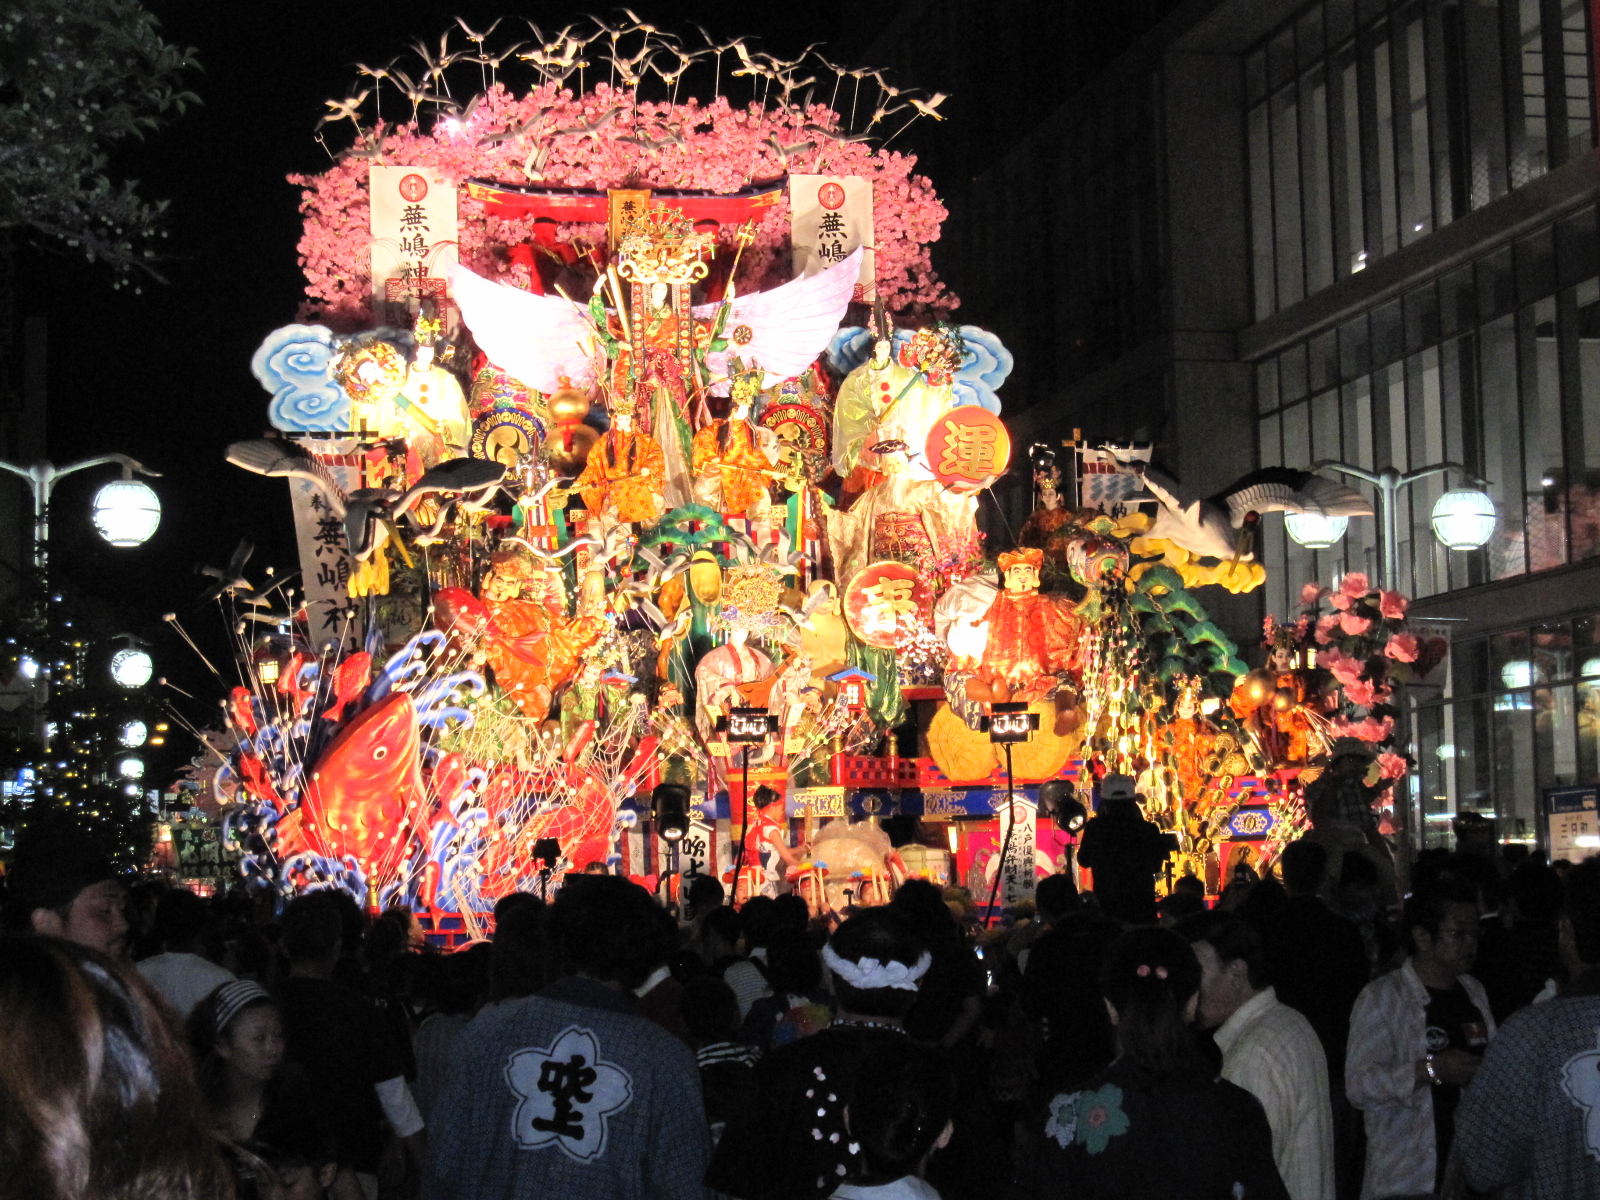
x: 164, y: 375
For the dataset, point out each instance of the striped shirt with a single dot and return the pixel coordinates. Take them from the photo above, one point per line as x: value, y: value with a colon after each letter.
x: 1272, y: 1052
x: 1388, y: 1038
x: 722, y: 1052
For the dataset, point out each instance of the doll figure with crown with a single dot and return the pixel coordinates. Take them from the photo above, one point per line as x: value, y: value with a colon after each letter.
x: 429, y: 409
x: 623, y: 477
x: 897, y: 398
x: 732, y: 472
x: 919, y: 522
x: 1034, y: 641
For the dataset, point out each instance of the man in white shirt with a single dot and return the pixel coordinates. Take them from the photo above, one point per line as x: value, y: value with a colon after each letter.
x: 1417, y: 1036
x: 1268, y: 1049
x: 180, y: 973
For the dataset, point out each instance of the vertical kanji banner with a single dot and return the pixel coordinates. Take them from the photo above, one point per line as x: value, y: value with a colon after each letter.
x: 325, y: 562
x: 829, y: 216
x: 414, y: 231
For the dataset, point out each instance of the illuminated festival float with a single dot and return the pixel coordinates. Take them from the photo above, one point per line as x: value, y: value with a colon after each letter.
x: 636, y: 468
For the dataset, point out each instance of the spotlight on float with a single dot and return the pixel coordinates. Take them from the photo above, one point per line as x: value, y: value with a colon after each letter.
x: 1315, y: 531
x: 133, y: 734
x: 1464, y: 519
x: 1011, y: 723
x: 1060, y: 803
x: 126, y: 512
x: 131, y: 668
x: 669, y: 808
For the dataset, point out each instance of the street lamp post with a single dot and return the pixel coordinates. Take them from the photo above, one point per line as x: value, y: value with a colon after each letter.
x: 41, y: 478
x: 1389, y: 481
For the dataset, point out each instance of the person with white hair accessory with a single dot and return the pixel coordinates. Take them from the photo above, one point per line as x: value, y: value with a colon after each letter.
x: 791, y: 1141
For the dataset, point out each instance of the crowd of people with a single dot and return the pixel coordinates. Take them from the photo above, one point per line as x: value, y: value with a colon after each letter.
x: 1300, y: 1038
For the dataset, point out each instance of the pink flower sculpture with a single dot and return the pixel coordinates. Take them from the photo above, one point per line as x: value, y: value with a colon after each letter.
x: 1354, y: 585
x: 1341, y: 602
x: 1391, y: 765
x: 1325, y: 627
x: 1361, y: 692
x: 713, y: 147
x: 1393, y: 606
x: 1310, y: 594
x: 1402, y: 647
x: 1345, y: 667
x: 1353, y: 625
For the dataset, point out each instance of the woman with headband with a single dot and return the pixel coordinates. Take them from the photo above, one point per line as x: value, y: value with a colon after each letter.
x: 238, y: 1044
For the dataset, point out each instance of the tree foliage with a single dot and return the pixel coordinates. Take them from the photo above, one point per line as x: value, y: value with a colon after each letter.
x: 76, y: 78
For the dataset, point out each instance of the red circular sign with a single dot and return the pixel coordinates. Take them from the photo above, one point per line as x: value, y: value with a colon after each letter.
x: 967, y: 447
x: 413, y: 188
x: 887, y: 603
x: 830, y: 195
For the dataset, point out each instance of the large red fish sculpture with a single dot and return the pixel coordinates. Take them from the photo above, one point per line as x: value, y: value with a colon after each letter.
x: 366, y: 797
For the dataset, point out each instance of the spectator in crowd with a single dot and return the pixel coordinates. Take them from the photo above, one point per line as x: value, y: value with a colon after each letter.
x: 950, y: 995
x: 181, y: 972
x: 656, y: 997
x: 1061, y: 987
x: 97, y: 1095
x: 1316, y: 958
x: 1357, y: 897
x: 1528, y: 1127
x: 1339, y: 803
x: 748, y: 976
x: 569, y: 1093
x: 781, y: 1146
x: 715, y: 939
x: 902, y: 1112
x: 520, y: 955
x: 1536, y: 899
x: 300, y: 1157
x: 340, y: 1041
x: 1417, y: 1036
x: 60, y: 885
x: 704, y: 894
x: 1268, y: 1049
x: 236, y: 1034
x: 794, y: 971
x: 455, y: 984
x: 1156, y: 1124
x: 1124, y: 851
x: 711, y: 1015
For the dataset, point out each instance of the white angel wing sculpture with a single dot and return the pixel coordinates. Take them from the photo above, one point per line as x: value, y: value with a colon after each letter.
x: 784, y: 329
x: 534, y: 339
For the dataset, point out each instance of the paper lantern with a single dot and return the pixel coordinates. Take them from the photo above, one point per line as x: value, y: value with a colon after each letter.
x: 1464, y: 519
x: 1315, y: 531
x: 126, y: 512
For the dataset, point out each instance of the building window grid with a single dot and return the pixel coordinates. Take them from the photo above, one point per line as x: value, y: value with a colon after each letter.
x: 1495, y: 365
x: 1349, y: 160
x: 1520, y: 714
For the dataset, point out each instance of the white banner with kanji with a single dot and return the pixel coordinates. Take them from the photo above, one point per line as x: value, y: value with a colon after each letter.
x: 413, y: 223
x: 829, y: 216
x: 325, y: 562
x: 1018, y: 876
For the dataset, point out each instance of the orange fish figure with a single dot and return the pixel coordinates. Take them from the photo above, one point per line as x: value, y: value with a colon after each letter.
x: 349, y: 681
x: 366, y: 796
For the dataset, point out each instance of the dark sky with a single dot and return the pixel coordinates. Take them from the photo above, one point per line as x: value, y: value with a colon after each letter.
x: 164, y: 376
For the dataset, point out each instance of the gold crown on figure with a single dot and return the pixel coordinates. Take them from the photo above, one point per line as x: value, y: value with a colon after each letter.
x: 663, y: 247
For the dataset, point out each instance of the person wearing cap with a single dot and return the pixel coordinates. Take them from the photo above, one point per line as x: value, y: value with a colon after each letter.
x: 236, y: 1033
x: 791, y: 1142
x: 1339, y: 803
x: 1124, y: 850
x: 61, y: 885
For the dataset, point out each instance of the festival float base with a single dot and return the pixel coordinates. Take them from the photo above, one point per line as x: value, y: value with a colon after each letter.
x: 617, y: 459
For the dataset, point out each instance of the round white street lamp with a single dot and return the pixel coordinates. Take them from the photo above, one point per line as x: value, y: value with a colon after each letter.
x: 133, y: 734
x: 1464, y: 519
x: 131, y: 668
x: 126, y: 512
x: 131, y: 768
x: 1315, y: 531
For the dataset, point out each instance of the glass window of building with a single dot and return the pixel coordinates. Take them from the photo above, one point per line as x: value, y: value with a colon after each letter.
x: 1495, y: 365
x: 1368, y: 128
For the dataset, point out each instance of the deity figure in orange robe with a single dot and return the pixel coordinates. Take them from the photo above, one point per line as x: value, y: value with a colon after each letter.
x: 1033, y: 640
x: 624, y: 472
x: 1190, y: 740
x: 731, y: 470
